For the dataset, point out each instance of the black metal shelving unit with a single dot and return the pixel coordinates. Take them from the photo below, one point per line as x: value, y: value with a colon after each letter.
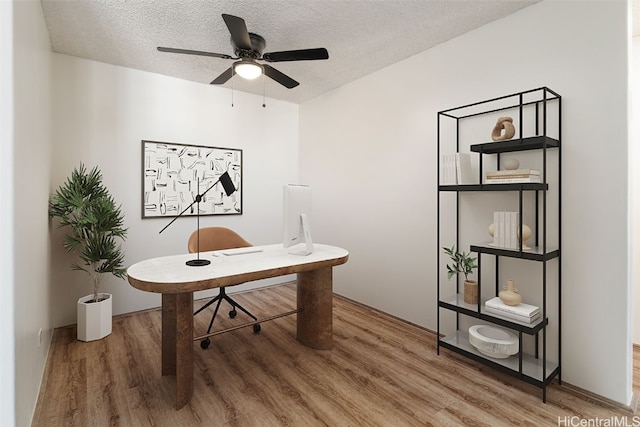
x: 531, y: 107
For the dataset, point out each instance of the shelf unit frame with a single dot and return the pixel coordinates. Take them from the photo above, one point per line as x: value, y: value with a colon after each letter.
x: 529, y: 368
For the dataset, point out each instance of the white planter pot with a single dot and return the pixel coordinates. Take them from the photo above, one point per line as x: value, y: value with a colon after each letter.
x: 94, y: 319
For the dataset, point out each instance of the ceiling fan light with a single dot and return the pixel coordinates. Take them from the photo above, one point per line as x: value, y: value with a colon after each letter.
x: 248, y: 70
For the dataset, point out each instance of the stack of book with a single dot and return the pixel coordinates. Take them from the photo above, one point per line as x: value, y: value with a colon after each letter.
x: 522, y: 312
x: 513, y: 176
x: 456, y: 169
x: 505, y: 230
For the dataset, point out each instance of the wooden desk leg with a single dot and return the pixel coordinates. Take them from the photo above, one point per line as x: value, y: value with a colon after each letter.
x: 177, y: 343
x: 315, y: 298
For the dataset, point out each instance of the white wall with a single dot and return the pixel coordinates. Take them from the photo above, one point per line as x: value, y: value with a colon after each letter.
x: 101, y: 114
x: 368, y: 149
x: 31, y: 174
x: 7, y: 356
x: 634, y: 122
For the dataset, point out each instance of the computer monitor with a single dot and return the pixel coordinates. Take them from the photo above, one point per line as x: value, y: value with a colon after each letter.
x: 296, y: 219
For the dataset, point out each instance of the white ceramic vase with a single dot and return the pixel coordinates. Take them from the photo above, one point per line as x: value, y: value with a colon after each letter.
x: 94, y: 318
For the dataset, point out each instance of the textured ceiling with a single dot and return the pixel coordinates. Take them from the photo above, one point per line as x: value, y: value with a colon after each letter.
x: 362, y: 36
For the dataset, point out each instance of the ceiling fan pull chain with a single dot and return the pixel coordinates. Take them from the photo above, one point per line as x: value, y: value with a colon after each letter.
x: 264, y: 103
x: 232, y: 86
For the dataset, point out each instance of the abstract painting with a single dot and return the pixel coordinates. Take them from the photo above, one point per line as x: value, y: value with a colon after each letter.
x: 174, y: 174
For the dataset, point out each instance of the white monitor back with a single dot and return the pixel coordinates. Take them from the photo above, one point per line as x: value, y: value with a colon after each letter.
x: 296, y: 219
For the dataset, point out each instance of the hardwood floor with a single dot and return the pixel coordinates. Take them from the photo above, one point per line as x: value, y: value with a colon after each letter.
x: 380, y: 372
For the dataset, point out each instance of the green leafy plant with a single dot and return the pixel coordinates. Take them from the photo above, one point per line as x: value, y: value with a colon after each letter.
x: 462, y: 262
x: 84, y: 205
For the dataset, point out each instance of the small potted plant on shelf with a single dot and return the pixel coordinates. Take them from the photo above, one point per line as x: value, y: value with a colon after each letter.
x: 463, y: 263
x: 84, y: 206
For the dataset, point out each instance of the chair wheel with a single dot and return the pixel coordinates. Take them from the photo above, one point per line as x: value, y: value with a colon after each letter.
x: 233, y: 313
x: 204, y: 344
x: 256, y: 328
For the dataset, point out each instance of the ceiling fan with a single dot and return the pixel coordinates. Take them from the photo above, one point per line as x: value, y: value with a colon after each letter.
x: 248, y: 49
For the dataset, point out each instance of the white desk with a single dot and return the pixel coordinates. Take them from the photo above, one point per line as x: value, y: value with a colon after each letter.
x: 177, y: 282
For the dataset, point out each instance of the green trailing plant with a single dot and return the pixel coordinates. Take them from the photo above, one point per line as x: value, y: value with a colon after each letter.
x: 462, y: 262
x: 94, y: 221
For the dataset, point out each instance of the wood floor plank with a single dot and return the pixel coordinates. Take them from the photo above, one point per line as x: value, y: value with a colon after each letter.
x: 381, y: 371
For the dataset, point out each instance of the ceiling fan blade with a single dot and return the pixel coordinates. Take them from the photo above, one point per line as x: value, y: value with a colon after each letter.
x: 238, y: 30
x: 297, y: 55
x: 194, y: 52
x: 224, y: 77
x: 281, y: 78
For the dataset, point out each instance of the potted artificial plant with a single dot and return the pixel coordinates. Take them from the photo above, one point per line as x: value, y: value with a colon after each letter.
x: 463, y: 263
x: 94, y: 223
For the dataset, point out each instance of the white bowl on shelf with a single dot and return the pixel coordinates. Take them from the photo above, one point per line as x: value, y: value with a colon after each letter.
x: 493, y: 341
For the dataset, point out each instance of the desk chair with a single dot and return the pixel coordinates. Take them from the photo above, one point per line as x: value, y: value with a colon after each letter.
x: 216, y: 239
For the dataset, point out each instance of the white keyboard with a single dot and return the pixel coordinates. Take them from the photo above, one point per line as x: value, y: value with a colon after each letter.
x: 241, y: 251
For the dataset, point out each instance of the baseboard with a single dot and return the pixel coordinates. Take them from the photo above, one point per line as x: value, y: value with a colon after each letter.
x: 604, y: 400
x: 634, y: 403
x: 36, y: 415
x: 385, y: 314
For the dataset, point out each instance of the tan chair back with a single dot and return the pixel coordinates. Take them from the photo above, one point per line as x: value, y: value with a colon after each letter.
x: 216, y: 239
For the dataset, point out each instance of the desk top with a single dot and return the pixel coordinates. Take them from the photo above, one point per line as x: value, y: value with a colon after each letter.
x: 169, y: 275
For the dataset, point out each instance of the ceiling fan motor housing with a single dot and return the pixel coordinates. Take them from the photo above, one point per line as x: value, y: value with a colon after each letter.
x: 257, y: 43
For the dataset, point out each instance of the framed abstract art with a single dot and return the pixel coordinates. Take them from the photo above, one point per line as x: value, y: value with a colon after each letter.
x: 174, y: 174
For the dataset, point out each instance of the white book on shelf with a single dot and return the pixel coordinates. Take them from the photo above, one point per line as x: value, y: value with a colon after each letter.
x: 496, y: 229
x: 451, y: 169
x: 507, y: 229
x: 501, y: 221
x: 509, y: 180
x: 522, y: 309
x: 447, y: 170
x: 489, y: 176
x: 511, y: 173
x: 513, y: 229
x: 463, y: 169
x: 511, y: 316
